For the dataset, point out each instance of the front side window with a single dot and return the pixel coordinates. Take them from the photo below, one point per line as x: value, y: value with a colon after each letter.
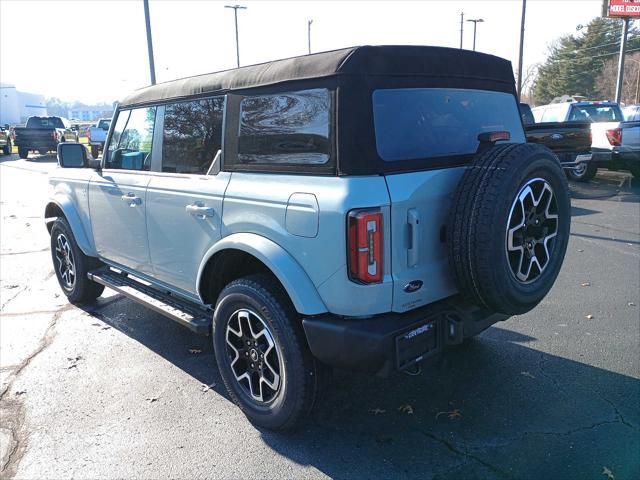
x: 418, y: 123
x: 130, y: 145
x: 192, y: 135
x: 287, y: 128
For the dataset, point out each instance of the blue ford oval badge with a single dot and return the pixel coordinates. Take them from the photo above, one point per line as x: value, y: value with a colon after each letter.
x: 413, y: 286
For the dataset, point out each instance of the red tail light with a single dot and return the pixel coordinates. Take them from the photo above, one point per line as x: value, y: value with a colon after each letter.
x: 615, y: 136
x: 365, y: 245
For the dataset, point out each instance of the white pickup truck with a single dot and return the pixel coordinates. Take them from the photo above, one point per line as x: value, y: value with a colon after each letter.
x: 616, y: 146
x: 98, y: 135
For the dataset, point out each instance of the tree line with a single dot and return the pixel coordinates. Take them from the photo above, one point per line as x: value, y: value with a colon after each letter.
x: 585, y: 64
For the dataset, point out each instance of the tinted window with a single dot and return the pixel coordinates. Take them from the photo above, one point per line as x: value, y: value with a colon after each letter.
x: 192, y: 135
x: 130, y: 145
x: 288, y: 128
x: 416, y: 123
x: 595, y: 113
x: 526, y: 114
x: 44, y: 122
x: 104, y: 124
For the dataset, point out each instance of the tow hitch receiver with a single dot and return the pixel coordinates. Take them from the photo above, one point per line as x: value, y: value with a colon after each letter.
x: 416, y: 344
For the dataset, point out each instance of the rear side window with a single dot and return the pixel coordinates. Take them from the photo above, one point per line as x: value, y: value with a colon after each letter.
x: 554, y: 114
x: 192, y: 135
x: 131, y: 141
x: 285, y: 129
x: 416, y: 123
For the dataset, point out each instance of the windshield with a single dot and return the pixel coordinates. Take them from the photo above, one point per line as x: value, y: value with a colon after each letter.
x: 44, y: 122
x: 595, y: 113
x: 414, y: 123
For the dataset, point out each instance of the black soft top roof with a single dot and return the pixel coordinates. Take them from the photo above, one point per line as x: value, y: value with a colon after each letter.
x: 414, y: 61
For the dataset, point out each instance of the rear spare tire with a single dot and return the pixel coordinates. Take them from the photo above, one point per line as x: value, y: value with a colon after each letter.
x: 509, y: 227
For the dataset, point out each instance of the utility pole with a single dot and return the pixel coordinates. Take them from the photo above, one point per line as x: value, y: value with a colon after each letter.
x: 309, y: 22
x: 623, y: 48
x: 520, y: 55
x: 235, y: 14
x: 147, y: 21
x: 475, y: 25
x: 461, y: 28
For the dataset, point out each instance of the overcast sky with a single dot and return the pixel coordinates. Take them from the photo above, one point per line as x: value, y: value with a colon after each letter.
x: 96, y: 50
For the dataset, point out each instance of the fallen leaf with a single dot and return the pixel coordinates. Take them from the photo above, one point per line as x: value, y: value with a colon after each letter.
x: 377, y: 411
x: 106, y: 327
x: 585, y: 284
x: 608, y: 473
x: 453, y: 414
x: 527, y: 374
x: 21, y: 392
x: 589, y: 317
x: 96, y: 324
x: 631, y: 304
x: 195, y: 350
x: 152, y: 399
x: 27, y: 224
x: 408, y: 409
x: 206, y: 388
x: 11, y: 286
x: 73, y: 362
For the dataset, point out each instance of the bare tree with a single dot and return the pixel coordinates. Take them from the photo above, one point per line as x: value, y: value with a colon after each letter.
x: 606, y: 81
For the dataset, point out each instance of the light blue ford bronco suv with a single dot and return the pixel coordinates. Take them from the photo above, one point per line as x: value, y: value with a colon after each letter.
x: 359, y: 209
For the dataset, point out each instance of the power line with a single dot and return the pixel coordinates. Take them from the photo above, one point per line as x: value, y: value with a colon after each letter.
x: 583, y: 59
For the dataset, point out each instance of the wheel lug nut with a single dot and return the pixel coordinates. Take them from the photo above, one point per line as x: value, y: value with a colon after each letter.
x: 246, y: 354
x: 252, y: 365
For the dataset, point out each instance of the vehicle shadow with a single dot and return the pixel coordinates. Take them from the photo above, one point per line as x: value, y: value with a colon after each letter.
x: 493, y: 408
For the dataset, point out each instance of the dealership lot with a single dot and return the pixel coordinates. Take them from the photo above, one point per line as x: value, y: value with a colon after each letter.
x: 114, y: 390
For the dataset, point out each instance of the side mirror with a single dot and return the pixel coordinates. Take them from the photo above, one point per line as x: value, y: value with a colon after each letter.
x: 76, y: 155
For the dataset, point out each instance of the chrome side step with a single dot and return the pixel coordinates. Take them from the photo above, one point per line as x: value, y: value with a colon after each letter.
x: 191, y: 315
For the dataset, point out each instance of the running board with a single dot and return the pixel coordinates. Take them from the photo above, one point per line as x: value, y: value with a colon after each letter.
x: 189, y: 314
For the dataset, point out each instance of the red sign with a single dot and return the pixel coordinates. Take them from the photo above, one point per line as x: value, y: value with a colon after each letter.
x: 624, y: 8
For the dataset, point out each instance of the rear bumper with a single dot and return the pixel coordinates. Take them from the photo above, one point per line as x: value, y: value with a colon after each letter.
x: 394, y: 341
x: 571, y: 161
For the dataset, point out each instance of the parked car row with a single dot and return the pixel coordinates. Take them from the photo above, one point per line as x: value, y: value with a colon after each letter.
x: 587, y: 135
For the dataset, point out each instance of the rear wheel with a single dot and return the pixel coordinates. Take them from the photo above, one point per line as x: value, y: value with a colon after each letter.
x: 95, y: 151
x: 262, y: 353
x: 509, y: 227
x: 584, y: 172
x: 23, y: 152
x: 71, y: 265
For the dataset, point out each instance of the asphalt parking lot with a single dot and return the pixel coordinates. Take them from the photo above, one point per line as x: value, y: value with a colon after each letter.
x: 117, y: 391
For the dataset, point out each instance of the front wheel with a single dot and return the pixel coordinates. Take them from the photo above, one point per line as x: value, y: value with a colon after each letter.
x: 584, y: 172
x: 7, y: 148
x: 71, y: 265
x: 262, y: 353
x: 23, y: 152
x: 95, y: 151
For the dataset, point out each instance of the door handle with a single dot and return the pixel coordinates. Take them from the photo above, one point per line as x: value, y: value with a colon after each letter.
x: 414, y: 237
x: 199, y: 211
x: 131, y: 199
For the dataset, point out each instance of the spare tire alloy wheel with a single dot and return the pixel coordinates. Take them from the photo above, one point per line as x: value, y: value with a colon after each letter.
x: 254, y: 356
x: 531, y: 230
x: 65, y: 262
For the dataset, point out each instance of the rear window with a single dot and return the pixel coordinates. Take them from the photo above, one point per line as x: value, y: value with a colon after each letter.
x: 285, y: 129
x: 595, y: 113
x: 44, y: 122
x: 104, y: 124
x: 415, y: 123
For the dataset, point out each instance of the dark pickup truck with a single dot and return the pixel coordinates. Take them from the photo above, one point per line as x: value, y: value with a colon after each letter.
x: 43, y: 134
x: 570, y: 141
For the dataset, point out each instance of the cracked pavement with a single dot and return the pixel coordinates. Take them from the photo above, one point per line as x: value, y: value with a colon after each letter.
x: 113, y: 390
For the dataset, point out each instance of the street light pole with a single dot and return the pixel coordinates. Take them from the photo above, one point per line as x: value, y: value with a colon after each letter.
x: 147, y: 21
x: 475, y: 25
x: 521, y: 53
x: 461, y: 28
x: 235, y: 14
x: 309, y: 22
x: 623, y: 48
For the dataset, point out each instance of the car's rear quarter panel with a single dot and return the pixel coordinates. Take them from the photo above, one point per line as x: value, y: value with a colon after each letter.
x: 261, y: 203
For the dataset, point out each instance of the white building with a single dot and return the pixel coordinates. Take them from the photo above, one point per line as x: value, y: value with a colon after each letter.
x: 16, y: 106
x: 89, y: 113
